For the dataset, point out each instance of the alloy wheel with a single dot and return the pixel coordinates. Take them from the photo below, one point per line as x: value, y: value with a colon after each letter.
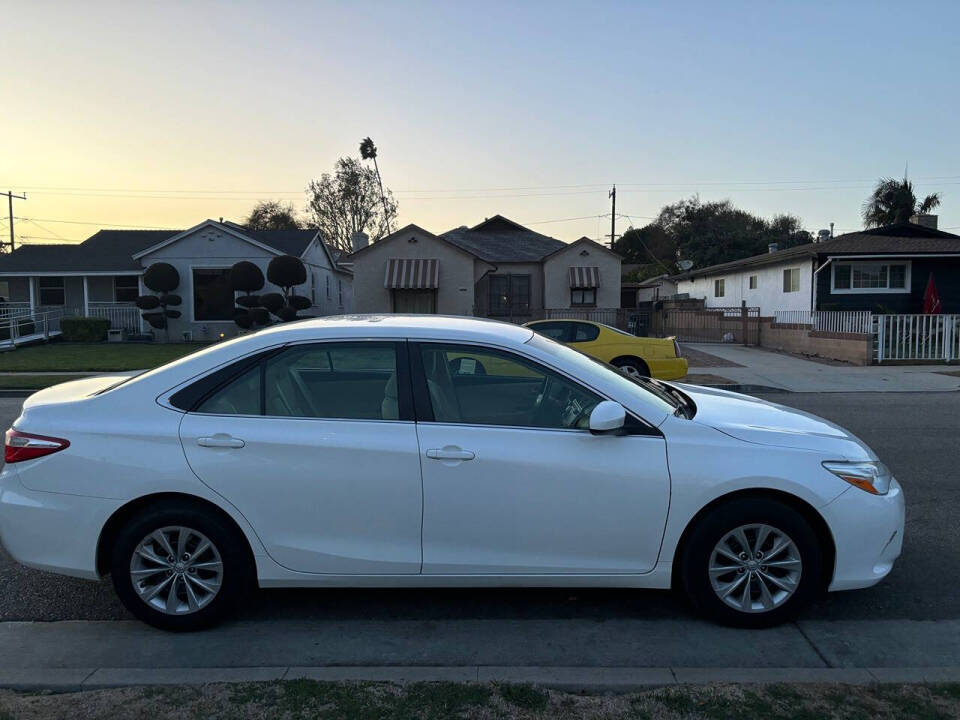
x: 176, y: 570
x: 755, y: 568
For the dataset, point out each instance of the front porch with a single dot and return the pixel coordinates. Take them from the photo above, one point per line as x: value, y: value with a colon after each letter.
x: 45, y: 298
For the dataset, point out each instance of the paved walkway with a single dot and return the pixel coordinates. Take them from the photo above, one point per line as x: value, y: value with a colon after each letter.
x: 655, y: 652
x: 787, y: 372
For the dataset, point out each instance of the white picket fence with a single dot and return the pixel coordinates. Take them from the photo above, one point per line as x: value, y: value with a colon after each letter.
x: 918, y: 337
x: 839, y: 321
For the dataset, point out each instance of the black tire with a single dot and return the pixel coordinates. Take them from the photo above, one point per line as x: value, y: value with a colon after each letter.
x: 237, y: 565
x: 634, y: 363
x: 721, y: 520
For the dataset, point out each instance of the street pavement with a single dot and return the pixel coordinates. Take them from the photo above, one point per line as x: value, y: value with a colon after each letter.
x: 911, y: 619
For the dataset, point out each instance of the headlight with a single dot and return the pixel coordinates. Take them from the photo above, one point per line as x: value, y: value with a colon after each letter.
x: 873, y: 477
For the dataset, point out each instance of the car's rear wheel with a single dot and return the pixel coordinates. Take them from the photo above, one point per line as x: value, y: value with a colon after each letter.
x: 632, y: 367
x: 180, y: 568
x: 752, y: 562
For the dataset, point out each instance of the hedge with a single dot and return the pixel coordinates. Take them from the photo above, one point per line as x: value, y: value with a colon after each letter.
x: 84, y: 329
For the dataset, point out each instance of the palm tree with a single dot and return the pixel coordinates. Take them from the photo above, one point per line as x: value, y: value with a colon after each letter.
x: 368, y: 151
x: 893, y: 201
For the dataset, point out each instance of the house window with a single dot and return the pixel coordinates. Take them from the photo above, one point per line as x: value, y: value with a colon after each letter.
x: 584, y: 296
x: 4, y: 290
x: 213, y: 298
x: 871, y: 277
x: 719, y: 287
x: 753, y: 282
x: 509, y: 295
x: 791, y: 280
x: 340, y: 292
x: 51, y: 291
x: 328, y: 287
x: 418, y: 302
x: 126, y: 288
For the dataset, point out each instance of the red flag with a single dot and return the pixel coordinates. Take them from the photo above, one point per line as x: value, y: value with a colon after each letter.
x: 931, y: 299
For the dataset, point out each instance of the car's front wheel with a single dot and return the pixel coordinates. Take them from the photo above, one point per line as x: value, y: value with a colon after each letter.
x: 752, y: 562
x: 180, y: 567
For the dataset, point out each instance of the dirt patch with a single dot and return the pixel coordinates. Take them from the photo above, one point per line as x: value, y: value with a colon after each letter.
x: 698, y: 358
x: 428, y: 701
x: 706, y: 379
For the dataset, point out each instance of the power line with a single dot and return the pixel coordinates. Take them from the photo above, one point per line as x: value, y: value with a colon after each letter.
x: 582, y: 217
x: 99, y: 224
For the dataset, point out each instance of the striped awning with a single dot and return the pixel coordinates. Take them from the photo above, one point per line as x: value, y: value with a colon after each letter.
x: 584, y: 277
x: 412, y: 274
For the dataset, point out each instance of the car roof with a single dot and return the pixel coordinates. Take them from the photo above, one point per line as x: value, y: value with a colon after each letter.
x: 447, y: 327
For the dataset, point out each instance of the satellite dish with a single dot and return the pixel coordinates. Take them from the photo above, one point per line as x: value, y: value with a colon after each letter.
x: 685, y: 264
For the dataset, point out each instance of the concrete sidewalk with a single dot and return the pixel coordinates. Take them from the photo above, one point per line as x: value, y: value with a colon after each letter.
x: 787, y: 372
x: 616, y: 654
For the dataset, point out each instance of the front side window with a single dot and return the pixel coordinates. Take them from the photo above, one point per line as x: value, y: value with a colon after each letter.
x: 509, y: 295
x: 586, y: 296
x: 868, y: 277
x: 348, y: 381
x: 213, y: 297
x: 719, y: 287
x: 51, y: 291
x: 791, y: 280
x: 126, y: 288
x: 480, y: 386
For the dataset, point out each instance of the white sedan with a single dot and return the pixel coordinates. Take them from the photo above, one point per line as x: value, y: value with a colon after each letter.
x: 401, y: 451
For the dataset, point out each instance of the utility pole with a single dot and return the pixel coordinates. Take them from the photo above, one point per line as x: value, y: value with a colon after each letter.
x: 10, y: 199
x: 613, y: 215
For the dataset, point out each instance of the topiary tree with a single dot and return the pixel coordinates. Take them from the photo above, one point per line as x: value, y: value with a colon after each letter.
x: 247, y: 277
x: 163, y: 279
x: 286, y: 272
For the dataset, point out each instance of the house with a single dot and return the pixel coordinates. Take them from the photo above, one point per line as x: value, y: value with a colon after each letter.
x: 884, y: 270
x: 102, y: 276
x: 498, y: 269
x: 634, y: 294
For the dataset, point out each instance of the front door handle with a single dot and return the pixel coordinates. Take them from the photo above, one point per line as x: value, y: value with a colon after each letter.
x: 220, y: 440
x: 450, y: 452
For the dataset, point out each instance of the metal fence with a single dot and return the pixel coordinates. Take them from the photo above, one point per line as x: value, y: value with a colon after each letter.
x: 121, y: 315
x: 917, y: 337
x: 709, y: 325
x: 839, y: 321
x: 32, y: 326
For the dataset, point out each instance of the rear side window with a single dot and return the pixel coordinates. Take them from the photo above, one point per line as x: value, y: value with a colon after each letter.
x: 349, y: 381
x: 584, y: 332
x: 559, y: 331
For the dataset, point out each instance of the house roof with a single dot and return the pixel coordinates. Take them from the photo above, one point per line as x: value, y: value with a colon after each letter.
x: 113, y: 250
x: 899, y: 239
x: 500, y: 240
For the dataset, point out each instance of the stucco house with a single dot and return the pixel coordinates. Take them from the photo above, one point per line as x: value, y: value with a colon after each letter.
x: 498, y: 269
x: 883, y: 270
x: 102, y: 276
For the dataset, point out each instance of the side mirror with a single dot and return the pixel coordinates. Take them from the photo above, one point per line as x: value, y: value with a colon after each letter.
x: 607, y: 417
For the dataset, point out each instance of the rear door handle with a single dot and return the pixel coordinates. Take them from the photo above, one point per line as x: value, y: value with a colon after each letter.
x: 450, y: 453
x: 220, y: 440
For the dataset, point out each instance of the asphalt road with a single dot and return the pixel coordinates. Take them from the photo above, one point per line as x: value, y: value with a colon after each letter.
x: 915, y: 434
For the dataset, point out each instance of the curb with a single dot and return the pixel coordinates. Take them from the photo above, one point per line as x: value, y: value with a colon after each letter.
x: 573, y: 679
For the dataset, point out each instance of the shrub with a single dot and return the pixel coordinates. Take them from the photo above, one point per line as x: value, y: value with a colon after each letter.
x: 84, y: 329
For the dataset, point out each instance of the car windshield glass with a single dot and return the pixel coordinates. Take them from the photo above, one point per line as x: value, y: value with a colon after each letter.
x: 578, y: 360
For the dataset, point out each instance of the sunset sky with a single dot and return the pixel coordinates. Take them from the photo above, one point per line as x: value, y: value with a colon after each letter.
x: 162, y: 114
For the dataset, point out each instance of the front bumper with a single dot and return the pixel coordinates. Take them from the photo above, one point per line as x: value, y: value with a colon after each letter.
x: 868, y: 533
x: 51, y: 531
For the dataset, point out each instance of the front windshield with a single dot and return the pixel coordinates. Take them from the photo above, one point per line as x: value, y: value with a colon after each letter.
x: 653, y: 393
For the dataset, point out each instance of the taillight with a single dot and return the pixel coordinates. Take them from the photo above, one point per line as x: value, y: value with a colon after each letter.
x: 22, y: 446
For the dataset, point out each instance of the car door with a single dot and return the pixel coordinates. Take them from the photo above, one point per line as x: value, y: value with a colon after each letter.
x: 514, y: 482
x: 317, y: 448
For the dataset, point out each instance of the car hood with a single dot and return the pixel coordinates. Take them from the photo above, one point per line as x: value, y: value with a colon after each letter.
x: 765, y: 423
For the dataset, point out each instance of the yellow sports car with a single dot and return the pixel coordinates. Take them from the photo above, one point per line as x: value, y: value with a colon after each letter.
x: 648, y: 357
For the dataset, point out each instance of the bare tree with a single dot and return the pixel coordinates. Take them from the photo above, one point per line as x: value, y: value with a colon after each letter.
x: 349, y: 201
x: 273, y: 215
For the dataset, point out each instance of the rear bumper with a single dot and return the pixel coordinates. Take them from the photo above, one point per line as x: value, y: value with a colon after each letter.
x: 51, y: 531
x: 667, y: 368
x: 868, y: 533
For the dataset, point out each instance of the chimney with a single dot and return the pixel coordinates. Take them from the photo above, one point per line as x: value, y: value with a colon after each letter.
x: 359, y: 240
x: 772, y: 247
x: 925, y: 220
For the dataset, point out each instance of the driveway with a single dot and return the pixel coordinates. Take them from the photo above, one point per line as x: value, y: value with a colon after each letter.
x: 755, y: 366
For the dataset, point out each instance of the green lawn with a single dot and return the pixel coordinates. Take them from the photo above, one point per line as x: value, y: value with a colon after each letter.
x: 94, y: 357
x: 439, y: 701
